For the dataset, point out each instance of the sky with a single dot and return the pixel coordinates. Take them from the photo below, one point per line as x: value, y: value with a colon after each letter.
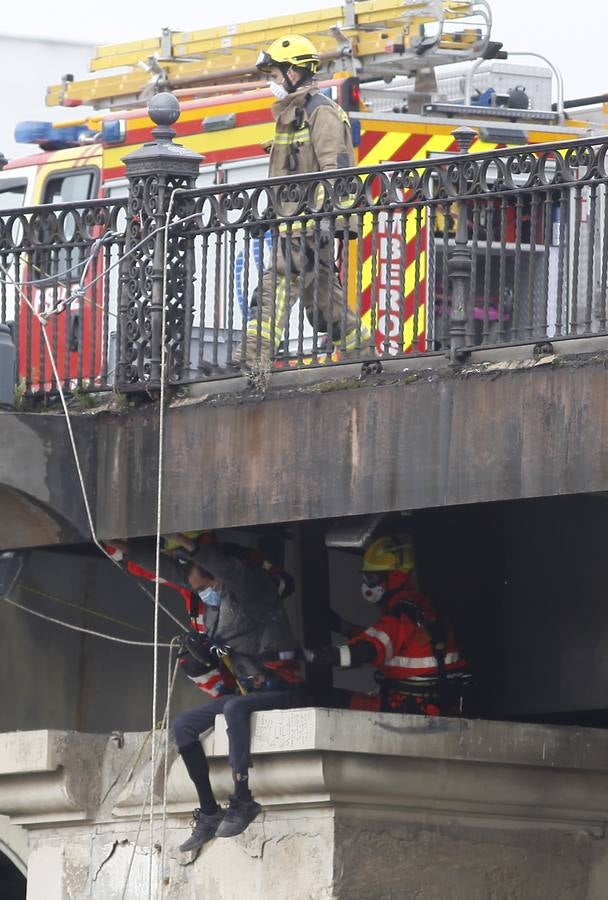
x: 545, y: 27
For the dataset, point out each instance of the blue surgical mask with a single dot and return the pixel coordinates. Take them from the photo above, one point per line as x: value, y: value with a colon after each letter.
x: 210, y: 597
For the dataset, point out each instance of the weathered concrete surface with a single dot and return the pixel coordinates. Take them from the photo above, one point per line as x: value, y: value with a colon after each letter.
x: 40, y: 498
x: 504, y: 811
x: 14, y: 844
x: 424, y: 861
x: 423, y: 439
x: 66, y: 767
x: 417, y: 441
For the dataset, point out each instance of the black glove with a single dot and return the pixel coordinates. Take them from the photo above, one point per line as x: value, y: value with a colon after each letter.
x: 322, y: 656
x: 197, y: 646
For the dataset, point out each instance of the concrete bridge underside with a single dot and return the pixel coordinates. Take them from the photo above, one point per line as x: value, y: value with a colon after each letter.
x: 403, y: 441
x: 408, y: 441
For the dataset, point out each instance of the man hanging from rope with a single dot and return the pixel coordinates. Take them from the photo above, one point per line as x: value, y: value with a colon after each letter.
x: 242, y: 653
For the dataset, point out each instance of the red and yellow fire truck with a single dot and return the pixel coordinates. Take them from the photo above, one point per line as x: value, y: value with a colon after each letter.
x: 408, y: 74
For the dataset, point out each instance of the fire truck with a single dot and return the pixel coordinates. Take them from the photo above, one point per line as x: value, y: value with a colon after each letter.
x: 408, y: 73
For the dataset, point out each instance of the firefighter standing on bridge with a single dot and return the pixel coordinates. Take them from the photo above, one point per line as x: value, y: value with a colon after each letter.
x: 419, y: 666
x: 312, y: 135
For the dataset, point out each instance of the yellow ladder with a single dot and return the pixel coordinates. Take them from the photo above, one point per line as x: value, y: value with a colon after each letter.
x: 373, y: 37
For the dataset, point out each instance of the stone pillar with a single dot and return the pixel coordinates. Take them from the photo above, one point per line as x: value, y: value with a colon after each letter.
x: 157, y: 267
x: 356, y: 806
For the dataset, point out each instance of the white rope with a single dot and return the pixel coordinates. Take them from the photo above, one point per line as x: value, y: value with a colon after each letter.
x: 139, y: 825
x: 171, y: 676
x: 107, y: 637
x: 75, y: 451
x: 157, y: 605
x: 159, y: 498
x: 94, y: 249
x: 149, y: 790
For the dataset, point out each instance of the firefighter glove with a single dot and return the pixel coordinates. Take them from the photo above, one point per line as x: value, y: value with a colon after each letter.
x: 322, y: 656
x: 325, y: 235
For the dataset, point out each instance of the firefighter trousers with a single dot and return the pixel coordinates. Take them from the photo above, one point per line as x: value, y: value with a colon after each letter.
x: 308, y: 273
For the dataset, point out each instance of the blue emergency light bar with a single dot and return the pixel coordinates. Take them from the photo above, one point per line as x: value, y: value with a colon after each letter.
x: 49, y: 136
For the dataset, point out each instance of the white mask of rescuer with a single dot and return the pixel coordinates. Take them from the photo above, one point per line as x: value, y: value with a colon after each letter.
x: 278, y: 90
x: 373, y: 594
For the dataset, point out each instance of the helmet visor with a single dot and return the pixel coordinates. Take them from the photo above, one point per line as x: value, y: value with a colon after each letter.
x: 373, y: 579
x: 264, y: 62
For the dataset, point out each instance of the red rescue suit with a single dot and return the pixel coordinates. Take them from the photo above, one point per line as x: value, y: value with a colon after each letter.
x: 416, y: 659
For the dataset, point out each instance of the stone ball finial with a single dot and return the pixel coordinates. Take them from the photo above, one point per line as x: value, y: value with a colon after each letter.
x: 163, y: 109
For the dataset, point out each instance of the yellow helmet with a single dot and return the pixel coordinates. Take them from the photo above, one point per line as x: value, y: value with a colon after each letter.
x: 389, y: 554
x: 292, y: 50
x: 170, y: 544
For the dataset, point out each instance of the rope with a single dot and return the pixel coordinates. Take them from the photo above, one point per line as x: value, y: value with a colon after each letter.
x: 157, y: 605
x: 149, y: 791
x: 139, y: 825
x: 97, y: 543
x: 170, y: 686
x: 159, y: 498
x: 86, y: 609
x: 94, y: 249
x: 108, y: 637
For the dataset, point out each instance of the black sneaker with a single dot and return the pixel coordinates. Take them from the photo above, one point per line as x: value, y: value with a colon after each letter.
x: 237, y: 817
x: 204, y: 827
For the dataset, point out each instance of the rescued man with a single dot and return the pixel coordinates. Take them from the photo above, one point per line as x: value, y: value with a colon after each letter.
x: 242, y: 653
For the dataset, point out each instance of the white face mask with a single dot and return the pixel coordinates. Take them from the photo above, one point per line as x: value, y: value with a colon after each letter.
x: 373, y: 594
x: 278, y: 90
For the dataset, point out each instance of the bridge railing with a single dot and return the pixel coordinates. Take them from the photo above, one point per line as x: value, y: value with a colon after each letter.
x: 441, y: 256
x: 59, y: 292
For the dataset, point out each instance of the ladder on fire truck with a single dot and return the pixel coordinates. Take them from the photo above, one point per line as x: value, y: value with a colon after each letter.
x: 372, y: 39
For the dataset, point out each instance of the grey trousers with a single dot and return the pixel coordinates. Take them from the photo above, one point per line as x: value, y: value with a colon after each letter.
x: 237, y: 709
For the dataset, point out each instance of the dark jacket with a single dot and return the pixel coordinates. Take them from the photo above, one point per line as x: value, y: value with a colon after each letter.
x: 251, y: 618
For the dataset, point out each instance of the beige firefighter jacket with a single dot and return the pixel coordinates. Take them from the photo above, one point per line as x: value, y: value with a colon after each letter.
x: 312, y: 135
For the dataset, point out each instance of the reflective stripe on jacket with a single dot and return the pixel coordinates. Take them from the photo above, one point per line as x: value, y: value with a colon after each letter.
x: 313, y: 126
x: 312, y: 134
x: 404, y: 649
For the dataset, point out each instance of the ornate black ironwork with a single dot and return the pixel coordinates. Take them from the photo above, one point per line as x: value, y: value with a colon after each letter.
x: 157, y: 270
x: 534, y: 168
x: 51, y: 261
x: 445, y: 255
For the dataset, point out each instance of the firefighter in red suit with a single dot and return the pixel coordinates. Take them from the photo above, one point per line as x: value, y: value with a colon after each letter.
x: 419, y: 666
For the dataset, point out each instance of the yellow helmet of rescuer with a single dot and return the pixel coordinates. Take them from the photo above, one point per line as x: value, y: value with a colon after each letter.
x: 170, y: 545
x: 291, y: 50
x: 389, y: 554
